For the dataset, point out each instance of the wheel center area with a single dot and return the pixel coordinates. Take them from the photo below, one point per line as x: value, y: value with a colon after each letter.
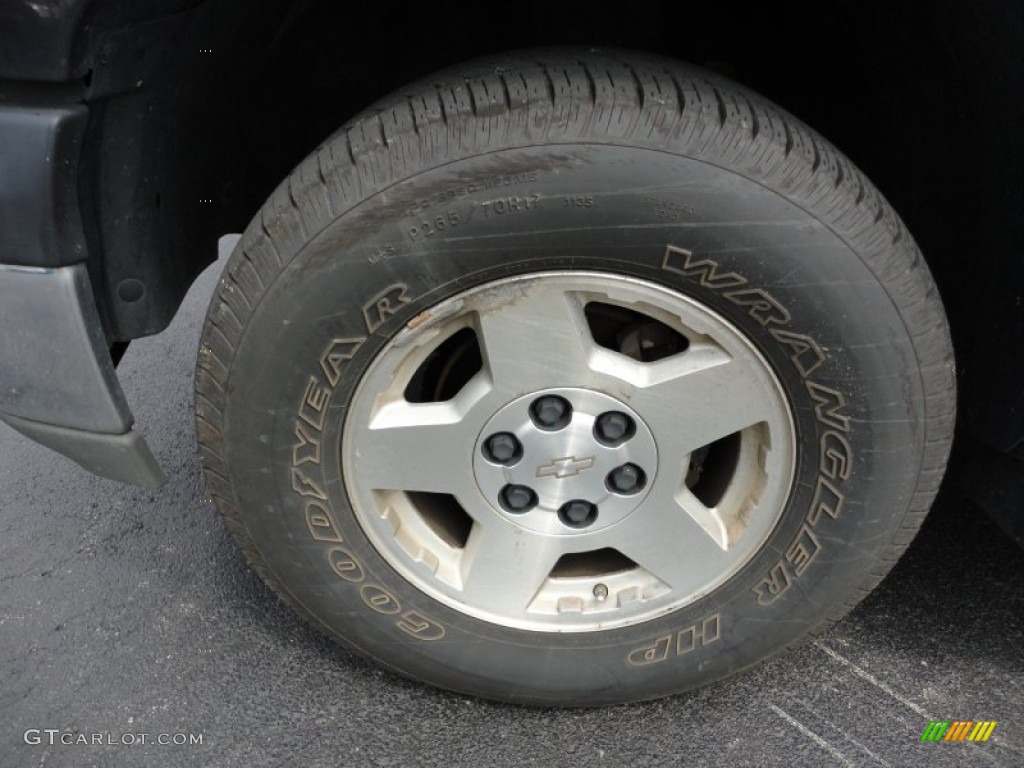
x: 565, y: 461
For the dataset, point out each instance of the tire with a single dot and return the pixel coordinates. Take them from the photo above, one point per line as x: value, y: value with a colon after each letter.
x: 607, y: 232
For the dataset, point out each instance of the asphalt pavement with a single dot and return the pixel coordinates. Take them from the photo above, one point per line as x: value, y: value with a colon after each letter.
x: 126, y: 612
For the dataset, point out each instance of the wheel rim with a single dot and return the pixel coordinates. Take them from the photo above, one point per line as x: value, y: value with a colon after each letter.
x: 568, y: 451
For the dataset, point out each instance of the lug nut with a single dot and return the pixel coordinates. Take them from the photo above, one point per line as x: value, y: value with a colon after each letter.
x: 577, y: 513
x: 614, y: 428
x: 550, y: 412
x: 503, y: 448
x: 628, y: 478
x: 517, y: 498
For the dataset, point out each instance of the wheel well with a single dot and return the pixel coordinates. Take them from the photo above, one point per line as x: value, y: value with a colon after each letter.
x: 924, y: 99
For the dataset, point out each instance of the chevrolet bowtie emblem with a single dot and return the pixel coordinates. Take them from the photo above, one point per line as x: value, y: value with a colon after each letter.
x: 567, y: 466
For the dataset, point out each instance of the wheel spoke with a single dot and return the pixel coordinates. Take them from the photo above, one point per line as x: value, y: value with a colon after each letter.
x: 414, y: 446
x: 708, y: 518
x: 674, y: 537
x: 504, y: 566
x: 535, y: 337
x: 698, y: 397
